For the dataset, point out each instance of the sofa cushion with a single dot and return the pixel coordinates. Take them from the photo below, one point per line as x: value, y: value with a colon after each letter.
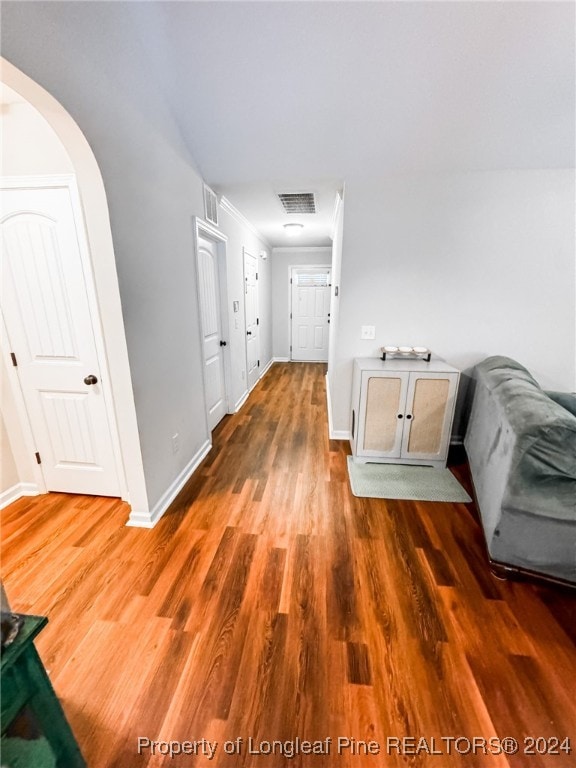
x: 565, y: 399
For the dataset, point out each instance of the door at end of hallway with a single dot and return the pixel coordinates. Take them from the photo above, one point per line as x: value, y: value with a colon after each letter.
x: 310, y: 313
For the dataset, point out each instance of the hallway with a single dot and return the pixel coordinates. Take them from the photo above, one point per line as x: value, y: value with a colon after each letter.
x: 269, y: 603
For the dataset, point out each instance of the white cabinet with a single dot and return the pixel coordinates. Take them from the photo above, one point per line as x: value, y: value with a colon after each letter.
x: 402, y: 410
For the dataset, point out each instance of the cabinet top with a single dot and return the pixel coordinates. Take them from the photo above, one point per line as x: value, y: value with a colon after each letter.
x: 436, y: 365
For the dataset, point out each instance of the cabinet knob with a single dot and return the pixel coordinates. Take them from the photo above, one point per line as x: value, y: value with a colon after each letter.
x: 400, y: 416
x: 408, y: 415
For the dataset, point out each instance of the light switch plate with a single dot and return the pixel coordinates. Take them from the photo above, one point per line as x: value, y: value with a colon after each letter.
x: 368, y: 332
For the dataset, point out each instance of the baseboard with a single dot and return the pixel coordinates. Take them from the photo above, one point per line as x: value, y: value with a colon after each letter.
x: 241, y: 402
x: 149, y: 519
x: 340, y: 434
x: 334, y: 434
x: 280, y: 359
x: 267, y: 367
x: 16, y: 492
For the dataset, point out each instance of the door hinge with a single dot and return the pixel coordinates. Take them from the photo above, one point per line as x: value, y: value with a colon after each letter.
x: 257, y: 321
x: 38, y: 459
x: 14, y: 361
x: 258, y: 363
x: 290, y: 315
x: 256, y: 275
x: 290, y: 281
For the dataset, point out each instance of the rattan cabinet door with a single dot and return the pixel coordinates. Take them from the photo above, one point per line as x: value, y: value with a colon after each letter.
x: 428, y: 416
x: 382, y: 405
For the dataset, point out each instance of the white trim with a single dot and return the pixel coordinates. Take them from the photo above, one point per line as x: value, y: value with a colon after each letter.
x: 301, y: 248
x: 49, y: 181
x: 212, y: 232
x: 241, y: 402
x: 281, y: 360
x: 149, y: 519
x: 267, y: 368
x: 231, y: 209
x: 16, y: 492
x: 334, y: 434
x: 339, y: 199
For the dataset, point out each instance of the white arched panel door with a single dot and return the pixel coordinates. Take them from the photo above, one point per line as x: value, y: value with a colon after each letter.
x: 212, y: 341
x: 51, y: 329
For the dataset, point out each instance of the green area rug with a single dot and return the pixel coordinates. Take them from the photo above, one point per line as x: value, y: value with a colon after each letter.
x: 399, y: 481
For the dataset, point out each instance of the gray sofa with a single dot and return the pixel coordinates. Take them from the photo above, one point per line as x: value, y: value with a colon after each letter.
x: 521, y: 446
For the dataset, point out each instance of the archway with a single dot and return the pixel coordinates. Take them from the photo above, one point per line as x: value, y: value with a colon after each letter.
x: 74, y: 148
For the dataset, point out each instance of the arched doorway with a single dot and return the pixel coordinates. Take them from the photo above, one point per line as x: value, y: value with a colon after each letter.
x: 70, y: 153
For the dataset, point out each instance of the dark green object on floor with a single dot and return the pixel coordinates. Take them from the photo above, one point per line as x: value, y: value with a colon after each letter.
x: 35, y: 732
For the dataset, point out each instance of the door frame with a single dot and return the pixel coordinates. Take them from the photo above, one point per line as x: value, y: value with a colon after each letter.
x: 69, y: 182
x: 203, y: 228
x: 328, y: 268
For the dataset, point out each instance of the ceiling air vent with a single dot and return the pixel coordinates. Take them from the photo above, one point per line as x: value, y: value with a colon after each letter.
x: 298, y: 202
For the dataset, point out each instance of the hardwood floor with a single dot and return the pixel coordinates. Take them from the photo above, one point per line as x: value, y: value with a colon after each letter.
x: 269, y: 603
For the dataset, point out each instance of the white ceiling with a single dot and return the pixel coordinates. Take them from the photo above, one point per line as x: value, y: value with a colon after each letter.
x: 301, y: 96
x: 259, y: 203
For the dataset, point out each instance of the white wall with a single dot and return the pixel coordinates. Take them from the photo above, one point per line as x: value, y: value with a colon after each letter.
x: 282, y: 260
x: 153, y: 189
x: 29, y: 146
x: 241, y: 236
x: 8, y: 473
x: 469, y: 265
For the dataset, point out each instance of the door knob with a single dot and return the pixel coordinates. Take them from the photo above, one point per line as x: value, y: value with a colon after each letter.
x: 91, y: 379
x: 248, y: 333
x: 222, y: 343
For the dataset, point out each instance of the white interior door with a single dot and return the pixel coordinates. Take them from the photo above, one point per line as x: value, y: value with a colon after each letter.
x: 251, y: 311
x: 310, y: 313
x: 213, y: 343
x: 51, y: 333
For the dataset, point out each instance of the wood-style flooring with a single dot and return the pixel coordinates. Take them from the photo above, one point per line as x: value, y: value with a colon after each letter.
x: 271, y: 604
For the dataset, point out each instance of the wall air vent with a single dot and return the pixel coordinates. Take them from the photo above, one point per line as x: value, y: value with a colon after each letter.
x: 298, y: 202
x: 210, y: 205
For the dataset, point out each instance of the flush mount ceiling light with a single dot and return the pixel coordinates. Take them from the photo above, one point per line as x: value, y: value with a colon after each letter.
x: 293, y: 230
